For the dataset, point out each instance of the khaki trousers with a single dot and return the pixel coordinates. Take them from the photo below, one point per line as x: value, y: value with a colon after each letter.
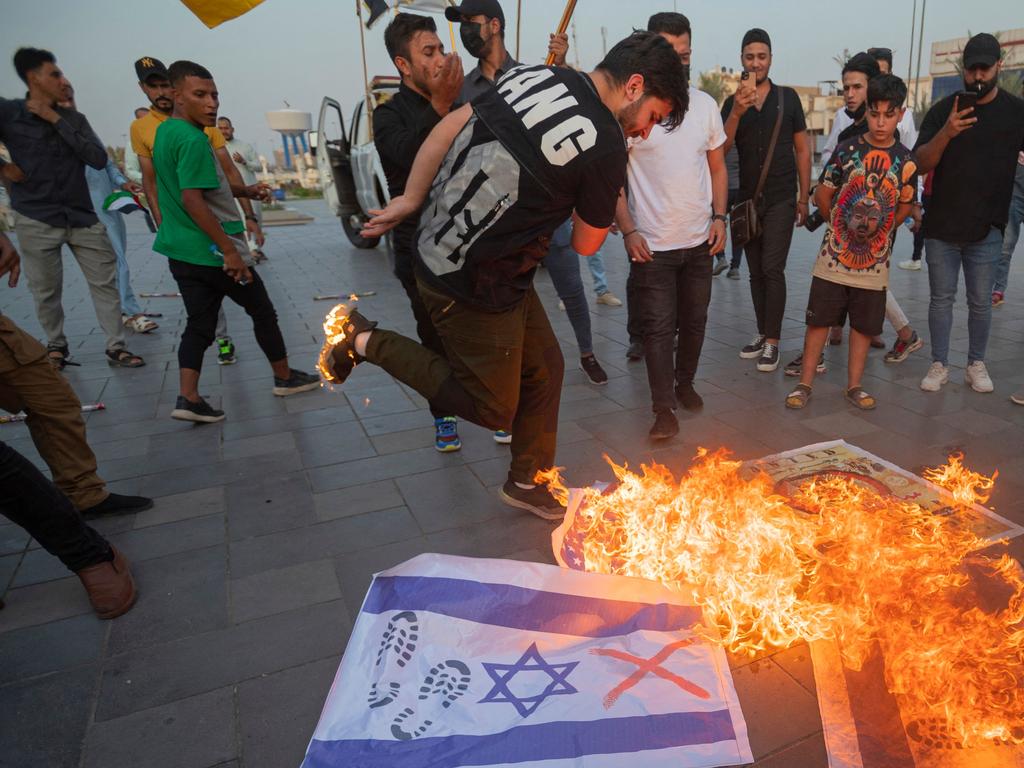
x: 29, y: 383
x: 42, y: 262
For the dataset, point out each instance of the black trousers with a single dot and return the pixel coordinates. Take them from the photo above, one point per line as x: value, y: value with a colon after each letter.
x: 673, y: 293
x: 766, y: 258
x: 425, y: 329
x: 737, y: 250
x: 634, y: 323
x: 203, y: 289
x: 31, y: 501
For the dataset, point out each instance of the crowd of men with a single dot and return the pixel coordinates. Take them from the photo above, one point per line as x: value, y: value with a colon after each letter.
x: 491, y: 174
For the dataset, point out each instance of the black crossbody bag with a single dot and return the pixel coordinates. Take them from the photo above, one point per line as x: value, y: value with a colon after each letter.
x: 744, y: 218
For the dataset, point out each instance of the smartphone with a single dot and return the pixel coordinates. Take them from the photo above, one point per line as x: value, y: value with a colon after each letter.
x: 966, y: 100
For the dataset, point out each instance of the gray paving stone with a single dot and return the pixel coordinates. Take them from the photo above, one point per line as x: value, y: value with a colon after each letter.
x: 13, y: 539
x: 45, y: 648
x: 170, y: 538
x: 376, y: 468
x: 448, y: 498
x: 45, y: 719
x: 168, y: 672
x: 182, y: 506
x: 179, y: 595
x: 196, y: 732
x: 332, y: 444
x: 348, y: 502
x: 8, y: 565
x: 42, y: 603
x: 283, y: 589
x: 355, y: 569
x: 272, y: 735
x: 268, y: 504
x: 238, y: 429
x: 761, y: 686
x: 315, y: 542
x: 38, y: 566
x: 220, y: 473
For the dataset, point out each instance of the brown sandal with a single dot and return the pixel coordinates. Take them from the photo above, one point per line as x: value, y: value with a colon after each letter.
x: 122, y: 358
x: 861, y: 399
x: 798, y: 398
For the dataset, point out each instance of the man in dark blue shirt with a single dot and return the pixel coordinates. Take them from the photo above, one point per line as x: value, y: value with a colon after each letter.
x: 50, y: 147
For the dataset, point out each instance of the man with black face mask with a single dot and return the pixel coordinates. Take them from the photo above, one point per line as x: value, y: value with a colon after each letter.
x: 482, y: 31
x: 973, y: 151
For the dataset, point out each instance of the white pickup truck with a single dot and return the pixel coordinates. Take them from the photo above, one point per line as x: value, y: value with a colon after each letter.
x: 350, y: 174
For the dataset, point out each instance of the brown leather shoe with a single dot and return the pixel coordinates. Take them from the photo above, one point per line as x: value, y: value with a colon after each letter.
x: 110, y: 586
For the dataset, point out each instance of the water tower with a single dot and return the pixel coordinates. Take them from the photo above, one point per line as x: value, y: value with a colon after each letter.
x: 294, y: 125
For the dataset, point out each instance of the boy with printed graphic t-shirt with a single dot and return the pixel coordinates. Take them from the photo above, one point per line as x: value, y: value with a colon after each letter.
x: 503, y: 172
x: 203, y: 239
x: 868, y: 186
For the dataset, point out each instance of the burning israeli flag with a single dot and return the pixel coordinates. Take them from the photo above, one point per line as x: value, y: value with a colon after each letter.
x: 456, y: 661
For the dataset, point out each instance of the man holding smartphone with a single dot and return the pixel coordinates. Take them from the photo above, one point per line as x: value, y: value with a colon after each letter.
x: 971, y: 140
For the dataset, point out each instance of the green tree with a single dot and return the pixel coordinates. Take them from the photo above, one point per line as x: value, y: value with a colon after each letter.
x: 713, y: 85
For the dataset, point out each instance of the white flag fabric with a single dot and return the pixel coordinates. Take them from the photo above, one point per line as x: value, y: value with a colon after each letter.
x: 457, y: 661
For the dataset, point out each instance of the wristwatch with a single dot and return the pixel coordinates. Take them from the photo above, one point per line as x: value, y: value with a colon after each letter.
x: 719, y: 217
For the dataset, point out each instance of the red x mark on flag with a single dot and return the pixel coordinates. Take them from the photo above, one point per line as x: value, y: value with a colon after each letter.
x: 651, y: 665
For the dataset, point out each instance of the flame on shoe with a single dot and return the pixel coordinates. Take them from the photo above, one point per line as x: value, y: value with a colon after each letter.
x: 334, y: 333
x: 836, y: 561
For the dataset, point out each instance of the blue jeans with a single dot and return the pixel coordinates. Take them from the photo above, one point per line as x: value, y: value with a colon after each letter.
x: 597, y: 274
x: 114, y: 222
x: 563, y: 265
x: 980, y: 261
x: 1012, y: 230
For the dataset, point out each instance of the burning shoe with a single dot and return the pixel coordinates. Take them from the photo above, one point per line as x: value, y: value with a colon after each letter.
x: 536, y: 500
x: 338, y: 356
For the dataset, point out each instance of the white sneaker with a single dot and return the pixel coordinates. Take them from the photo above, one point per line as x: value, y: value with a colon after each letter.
x: 910, y: 264
x: 609, y: 299
x: 561, y: 305
x: 937, y: 375
x: 977, y: 376
x: 1018, y: 397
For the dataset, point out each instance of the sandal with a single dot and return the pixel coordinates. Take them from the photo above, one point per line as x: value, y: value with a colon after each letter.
x: 58, y: 355
x: 122, y: 358
x: 139, y: 323
x: 798, y: 398
x: 858, y: 397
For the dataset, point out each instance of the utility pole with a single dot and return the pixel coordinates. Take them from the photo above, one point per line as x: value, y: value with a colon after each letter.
x: 604, y: 41
x: 575, y: 47
x: 910, y: 56
x: 920, y: 45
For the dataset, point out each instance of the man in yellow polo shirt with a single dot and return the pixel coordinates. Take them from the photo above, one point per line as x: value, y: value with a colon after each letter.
x: 155, y: 84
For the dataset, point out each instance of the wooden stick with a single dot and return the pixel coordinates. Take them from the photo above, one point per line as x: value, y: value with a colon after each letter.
x: 21, y: 416
x: 563, y: 25
x: 519, y: 24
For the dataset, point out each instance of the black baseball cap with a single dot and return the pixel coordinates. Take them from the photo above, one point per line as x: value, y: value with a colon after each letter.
x: 147, y: 67
x: 981, y: 50
x: 489, y: 8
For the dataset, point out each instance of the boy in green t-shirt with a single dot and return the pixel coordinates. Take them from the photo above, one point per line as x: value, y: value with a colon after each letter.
x: 202, y: 237
x: 867, y: 187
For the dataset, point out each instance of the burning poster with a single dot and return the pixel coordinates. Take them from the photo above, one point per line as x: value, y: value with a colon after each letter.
x: 457, y: 661
x: 881, y: 571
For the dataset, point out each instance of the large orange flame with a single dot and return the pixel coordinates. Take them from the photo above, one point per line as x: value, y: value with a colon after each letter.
x: 334, y: 333
x: 837, y: 561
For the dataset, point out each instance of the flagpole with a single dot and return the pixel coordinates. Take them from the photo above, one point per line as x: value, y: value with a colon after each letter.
x: 563, y: 25
x: 519, y: 24
x: 366, y: 72
x: 451, y: 28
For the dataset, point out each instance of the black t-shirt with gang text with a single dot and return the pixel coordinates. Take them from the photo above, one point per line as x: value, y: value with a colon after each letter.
x: 973, y: 182
x: 539, y: 145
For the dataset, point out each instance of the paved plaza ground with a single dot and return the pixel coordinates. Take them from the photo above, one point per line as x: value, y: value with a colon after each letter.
x: 268, y: 526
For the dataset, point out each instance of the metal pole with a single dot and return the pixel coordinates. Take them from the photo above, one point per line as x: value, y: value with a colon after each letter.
x: 920, y: 45
x: 519, y: 24
x: 563, y: 25
x: 366, y: 72
x: 910, y: 56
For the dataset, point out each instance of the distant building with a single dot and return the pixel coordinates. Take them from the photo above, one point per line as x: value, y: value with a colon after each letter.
x: 944, y: 66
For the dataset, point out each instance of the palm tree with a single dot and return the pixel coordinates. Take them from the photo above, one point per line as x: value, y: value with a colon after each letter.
x: 713, y: 85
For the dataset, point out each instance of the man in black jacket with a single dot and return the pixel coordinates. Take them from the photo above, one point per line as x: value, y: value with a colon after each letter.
x: 431, y: 82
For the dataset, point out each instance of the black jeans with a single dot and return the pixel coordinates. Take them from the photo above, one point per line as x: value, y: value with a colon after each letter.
x: 203, y: 289
x: 425, y: 329
x: 31, y: 501
x: 737, y: 250
x: 766, y: 258
x: 634, y: 323
x: 673, y: 293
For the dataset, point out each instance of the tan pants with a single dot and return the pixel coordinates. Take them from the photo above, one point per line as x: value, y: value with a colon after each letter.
x: 42, y: 262
x: 29, y: 383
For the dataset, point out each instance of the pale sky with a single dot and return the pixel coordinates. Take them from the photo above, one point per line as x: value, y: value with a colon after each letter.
x: 302, y: 50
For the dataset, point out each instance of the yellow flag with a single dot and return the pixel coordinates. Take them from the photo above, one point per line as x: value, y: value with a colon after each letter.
x: 215, y: 12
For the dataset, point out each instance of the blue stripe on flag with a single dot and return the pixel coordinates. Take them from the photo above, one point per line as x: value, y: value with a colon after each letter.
x: 544, y: 741
x: 504, y: 605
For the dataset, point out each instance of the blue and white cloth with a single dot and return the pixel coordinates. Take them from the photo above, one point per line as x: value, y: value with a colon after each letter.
x: 457, y: 661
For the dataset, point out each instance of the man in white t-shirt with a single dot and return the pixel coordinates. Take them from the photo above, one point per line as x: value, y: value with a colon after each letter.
x: 673, y: 223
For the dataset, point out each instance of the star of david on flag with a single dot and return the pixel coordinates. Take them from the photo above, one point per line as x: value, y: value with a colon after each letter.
x: 458, y: 661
